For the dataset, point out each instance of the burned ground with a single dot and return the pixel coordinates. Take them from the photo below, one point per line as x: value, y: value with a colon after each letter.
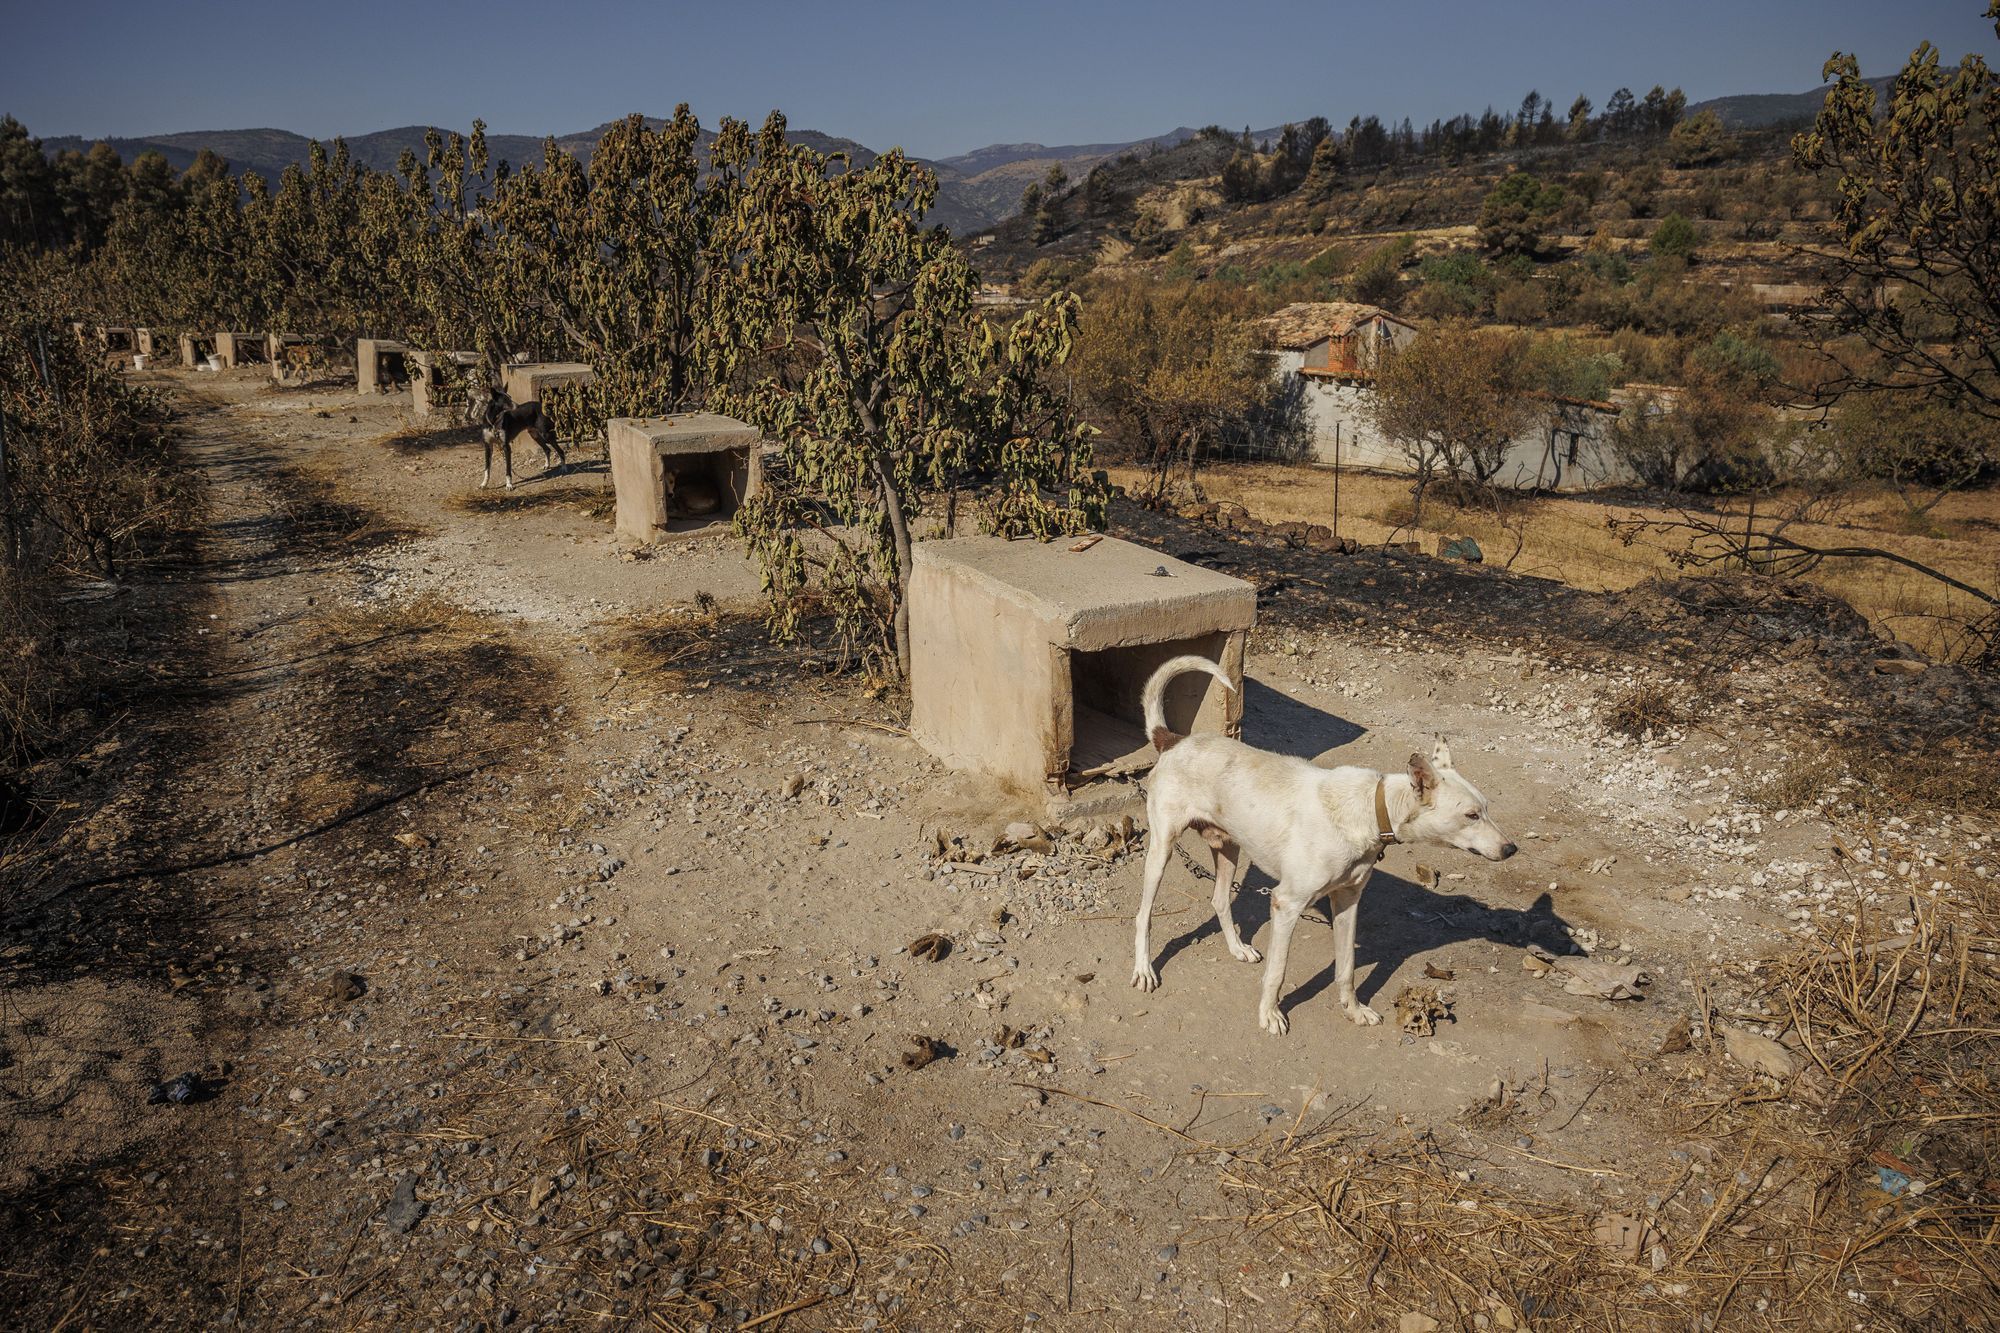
x: 542, y: 938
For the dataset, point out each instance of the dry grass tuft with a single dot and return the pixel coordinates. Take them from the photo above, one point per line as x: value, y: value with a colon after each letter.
x: 1800, y: 781
x: 1645, y: 707
x: 1860, y: 1192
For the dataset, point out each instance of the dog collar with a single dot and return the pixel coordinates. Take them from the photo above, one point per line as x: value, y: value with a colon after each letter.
x: 1385, y: 831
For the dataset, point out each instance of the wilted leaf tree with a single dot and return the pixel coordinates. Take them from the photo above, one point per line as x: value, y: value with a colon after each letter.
x: 619, y: 257
x: 909, y: 396
x: 1451, y: 403
x: 1168, y: 367
x: 1916, y: 282
x: 453, y: 292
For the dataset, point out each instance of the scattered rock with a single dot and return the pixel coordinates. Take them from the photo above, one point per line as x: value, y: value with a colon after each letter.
x: 344, y: 986
x: 1757, y: 1052
x: 178, y: 1091
x: 1606, y: 981
x: 404, y: 1210
x: 1412, y: 1322
x: 1546, y: 1013
x: 1625, y: 1235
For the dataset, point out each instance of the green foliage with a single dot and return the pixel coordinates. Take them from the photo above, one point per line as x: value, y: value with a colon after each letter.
x: 1516, y: 212
x: 1744, y: 362
x: 1917, y: 205
x: 1377, y: 279
x: 909, y: 401
x: 1924, y: 445
x: 1451, y: 285
x: 1675, y: 238
x: 626, y: 261
x: 1697, y: 141
x: 1166, y: 367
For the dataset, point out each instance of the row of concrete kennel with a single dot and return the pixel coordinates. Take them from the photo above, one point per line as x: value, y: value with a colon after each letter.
x: 1027, y: 657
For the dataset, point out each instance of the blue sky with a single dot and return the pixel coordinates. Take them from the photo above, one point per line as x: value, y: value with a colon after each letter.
x: 936, y: 78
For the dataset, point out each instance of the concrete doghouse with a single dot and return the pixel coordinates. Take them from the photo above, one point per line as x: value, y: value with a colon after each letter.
x: 1027, y: 659
x: 525, y: 383
x: 274, y: 350
x: 648, y: 452
x: 195, y: 348
x: 237, y: 349
x: 427, y: 372
x: 378, y: 363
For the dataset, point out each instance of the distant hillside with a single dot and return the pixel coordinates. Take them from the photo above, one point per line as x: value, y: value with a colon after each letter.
x: 1756, y: 111
x: 977, y: 190
x: 269, y: 152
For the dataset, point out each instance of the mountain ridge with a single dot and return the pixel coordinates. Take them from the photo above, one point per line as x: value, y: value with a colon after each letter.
x: 977, y: 189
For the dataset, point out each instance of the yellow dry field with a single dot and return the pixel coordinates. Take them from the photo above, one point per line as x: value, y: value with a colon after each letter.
x: 1567, y: 538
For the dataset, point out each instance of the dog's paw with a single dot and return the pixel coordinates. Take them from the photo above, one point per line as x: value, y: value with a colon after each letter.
x: 1361, y: 1013
x: 1243, y: 953
x: 1273, y: 1021
x: 1144, y: 977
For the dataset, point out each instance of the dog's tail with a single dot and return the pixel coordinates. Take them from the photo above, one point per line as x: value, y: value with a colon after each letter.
x: 1156, y: 690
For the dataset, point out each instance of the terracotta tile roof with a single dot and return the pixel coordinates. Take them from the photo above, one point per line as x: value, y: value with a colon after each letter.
x: 1304, y: 323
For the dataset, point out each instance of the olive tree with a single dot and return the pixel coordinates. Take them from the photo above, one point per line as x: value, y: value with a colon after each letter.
x: 620, y: 256
x: 1450, y: 402
x: 908, y: 397
x: 1915, y: 284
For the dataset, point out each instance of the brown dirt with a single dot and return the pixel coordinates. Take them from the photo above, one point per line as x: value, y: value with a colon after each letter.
x: 629, y: 890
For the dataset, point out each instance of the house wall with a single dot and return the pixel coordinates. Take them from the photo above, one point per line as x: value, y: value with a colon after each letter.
x: 1569, y: 454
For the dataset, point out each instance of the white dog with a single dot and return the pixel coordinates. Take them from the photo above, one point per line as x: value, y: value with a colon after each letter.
x: 1317, y: 830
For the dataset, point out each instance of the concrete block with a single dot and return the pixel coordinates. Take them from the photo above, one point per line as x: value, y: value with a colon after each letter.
x: 238, y: 349
x: 1028, y: 658
x: 526, y: 382
x: 653, y: 456
x: 378, y: 363
x: 427, y: 374
x: 142, y: 341
x: 195, y: 348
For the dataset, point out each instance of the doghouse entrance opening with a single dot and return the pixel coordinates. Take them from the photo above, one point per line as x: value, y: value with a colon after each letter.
x: 391, y: 370
x: 700, y: 490
x: 1108, y: 720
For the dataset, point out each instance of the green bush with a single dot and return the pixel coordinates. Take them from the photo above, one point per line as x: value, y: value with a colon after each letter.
x: 1675, y: 238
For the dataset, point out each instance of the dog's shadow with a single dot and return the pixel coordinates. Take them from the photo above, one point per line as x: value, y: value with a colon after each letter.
x: 1399, y: 920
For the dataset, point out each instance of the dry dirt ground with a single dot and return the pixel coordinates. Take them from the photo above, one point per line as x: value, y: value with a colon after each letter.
x: 539, y: 934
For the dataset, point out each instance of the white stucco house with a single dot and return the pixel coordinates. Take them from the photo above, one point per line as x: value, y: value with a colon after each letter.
x: 1324, y: 354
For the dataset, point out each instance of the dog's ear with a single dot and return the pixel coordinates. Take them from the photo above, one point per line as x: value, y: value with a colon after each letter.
x: 1423, y: 777
x: 1441, y: 753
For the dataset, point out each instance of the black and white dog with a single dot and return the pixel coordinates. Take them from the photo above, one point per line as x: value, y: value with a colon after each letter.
x: 502, y: 421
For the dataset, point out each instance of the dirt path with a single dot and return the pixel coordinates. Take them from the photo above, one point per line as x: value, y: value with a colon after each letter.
x: 540, y: 940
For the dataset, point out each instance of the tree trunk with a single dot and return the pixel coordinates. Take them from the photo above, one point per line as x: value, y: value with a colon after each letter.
x: 899, y: 532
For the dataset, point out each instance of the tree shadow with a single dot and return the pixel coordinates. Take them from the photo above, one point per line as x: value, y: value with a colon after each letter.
x: 427, y: 440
